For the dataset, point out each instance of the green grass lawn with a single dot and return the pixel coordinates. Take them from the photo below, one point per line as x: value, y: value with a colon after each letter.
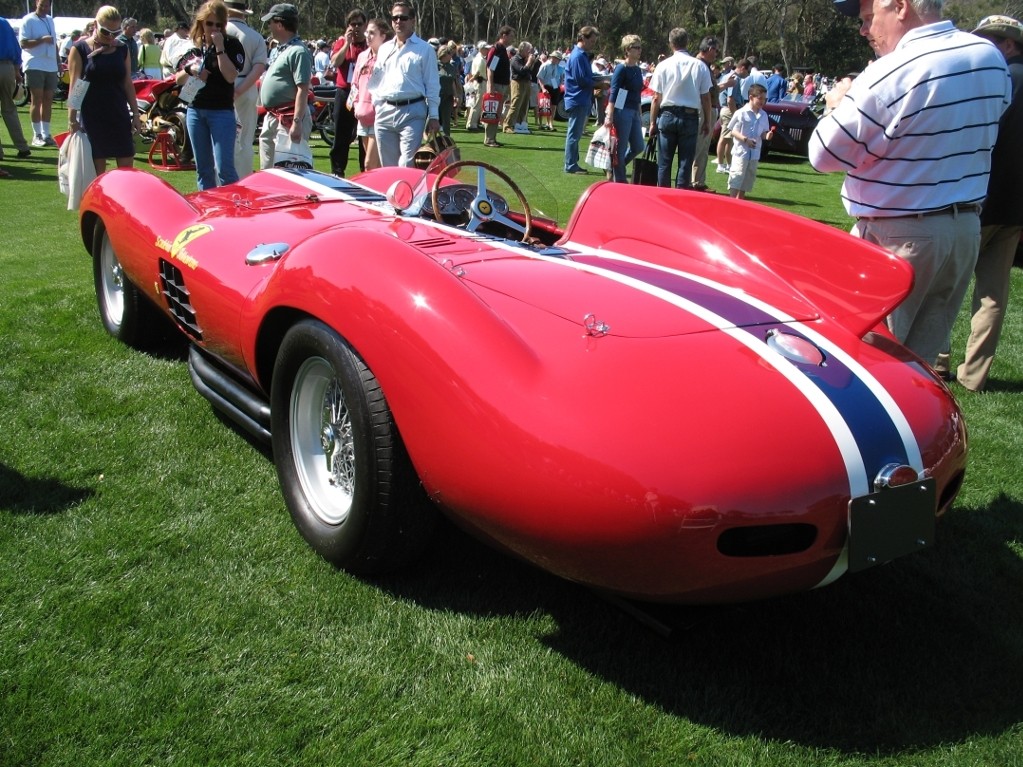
x: 158, y: 608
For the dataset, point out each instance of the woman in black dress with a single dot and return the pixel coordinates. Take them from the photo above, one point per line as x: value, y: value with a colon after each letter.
x: 109, y: 113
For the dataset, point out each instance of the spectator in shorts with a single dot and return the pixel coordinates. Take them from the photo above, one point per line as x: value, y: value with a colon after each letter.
x: 38, y: 39
x: 550, y: 79
x: 749, y: 128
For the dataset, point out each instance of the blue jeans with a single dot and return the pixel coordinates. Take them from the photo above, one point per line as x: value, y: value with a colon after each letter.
x: 212, y: 134
x: 676, y: 132
x: 577, y: 117
x: 629, y: 127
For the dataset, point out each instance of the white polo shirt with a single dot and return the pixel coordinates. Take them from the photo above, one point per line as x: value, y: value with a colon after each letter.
x: 915, y: 131
x: 681, y: 80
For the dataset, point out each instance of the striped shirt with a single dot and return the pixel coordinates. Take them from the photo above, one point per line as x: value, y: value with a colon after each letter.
x: 915, y: 131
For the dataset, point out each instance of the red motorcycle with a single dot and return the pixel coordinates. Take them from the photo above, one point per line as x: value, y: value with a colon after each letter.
x: 161, y: 110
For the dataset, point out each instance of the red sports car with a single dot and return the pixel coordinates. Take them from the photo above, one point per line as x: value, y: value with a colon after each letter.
x: 678, y: 397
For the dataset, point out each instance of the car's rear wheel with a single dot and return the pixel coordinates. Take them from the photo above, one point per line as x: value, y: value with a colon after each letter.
x: 125, y: 312
x: 347, y: 480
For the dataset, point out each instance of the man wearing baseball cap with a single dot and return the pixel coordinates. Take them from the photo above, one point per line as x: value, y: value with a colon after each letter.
x: 474, y: 86
x: 1001, y: 220
x: 914, y: 136
x: 285, y: 93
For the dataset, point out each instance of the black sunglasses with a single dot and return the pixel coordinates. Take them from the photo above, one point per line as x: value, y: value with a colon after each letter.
x: 401, y: 17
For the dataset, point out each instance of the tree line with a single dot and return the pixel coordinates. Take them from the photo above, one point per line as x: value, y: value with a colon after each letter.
x: 798, y: 34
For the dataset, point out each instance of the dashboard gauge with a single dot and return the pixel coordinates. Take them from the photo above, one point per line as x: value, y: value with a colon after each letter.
x: 500, y: 204
x: 463, y: 198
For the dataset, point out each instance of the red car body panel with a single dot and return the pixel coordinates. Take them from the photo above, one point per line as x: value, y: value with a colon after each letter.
x: 608, y: 408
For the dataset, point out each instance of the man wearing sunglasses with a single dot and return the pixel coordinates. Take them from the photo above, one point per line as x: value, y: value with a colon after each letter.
x: 38, y: 40
x: 406, y: 90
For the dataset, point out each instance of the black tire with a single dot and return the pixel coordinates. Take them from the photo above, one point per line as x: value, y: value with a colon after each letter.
x: 326, y: 128
x: 177, y: 129
x: 560, y: 113
x: 363, y: 509
x: 125, y: 313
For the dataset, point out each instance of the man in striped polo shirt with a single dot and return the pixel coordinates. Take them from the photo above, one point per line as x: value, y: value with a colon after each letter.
x: 914, y: 134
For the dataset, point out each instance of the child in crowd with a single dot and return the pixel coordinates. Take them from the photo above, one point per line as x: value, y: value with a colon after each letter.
x: 749, y: 127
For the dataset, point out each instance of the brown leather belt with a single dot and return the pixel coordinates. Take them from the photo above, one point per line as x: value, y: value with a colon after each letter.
x: 949, y: 210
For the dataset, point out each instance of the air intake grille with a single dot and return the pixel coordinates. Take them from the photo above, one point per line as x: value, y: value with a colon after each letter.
x: 172, y: 284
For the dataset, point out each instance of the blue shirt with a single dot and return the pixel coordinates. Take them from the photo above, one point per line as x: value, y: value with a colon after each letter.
x: 631, y: 79
x: 10, y: 50
x: 775, y: 88
x: 578, y: 79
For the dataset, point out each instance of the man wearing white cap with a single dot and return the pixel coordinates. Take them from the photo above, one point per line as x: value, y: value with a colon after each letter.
x: 914, y: 135
x: 1001, y: 221
x: 246, y: 90
x: 550, y: 79
x: 477, y: 78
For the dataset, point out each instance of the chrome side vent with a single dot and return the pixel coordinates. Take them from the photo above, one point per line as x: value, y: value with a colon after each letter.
x: 172, y: 286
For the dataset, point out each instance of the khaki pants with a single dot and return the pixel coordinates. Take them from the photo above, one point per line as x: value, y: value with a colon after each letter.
x: 942, y: 250
x: 492, y: 129
x: 8, y: 84
x: 990, y: 298
x: 518, y: 106
x: 246, y: 118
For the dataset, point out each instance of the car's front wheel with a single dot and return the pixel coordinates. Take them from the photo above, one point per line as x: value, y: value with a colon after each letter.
x: 125, y: 312
x: 347, y: 480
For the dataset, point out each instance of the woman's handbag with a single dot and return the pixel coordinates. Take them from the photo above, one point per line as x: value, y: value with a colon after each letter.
x: 644, y: 167
x: 599, y: 153
x: 543, y: 104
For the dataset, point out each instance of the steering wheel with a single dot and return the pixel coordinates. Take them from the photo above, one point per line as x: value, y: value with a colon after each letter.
x: 482, y: 209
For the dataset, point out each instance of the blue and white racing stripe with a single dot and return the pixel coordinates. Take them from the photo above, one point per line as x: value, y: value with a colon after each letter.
x: 869, y: 428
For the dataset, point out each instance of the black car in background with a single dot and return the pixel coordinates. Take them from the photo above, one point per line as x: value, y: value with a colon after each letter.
x: 793, y: 123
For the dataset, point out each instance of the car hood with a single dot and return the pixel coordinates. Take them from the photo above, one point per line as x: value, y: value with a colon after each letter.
x: 629, y: 297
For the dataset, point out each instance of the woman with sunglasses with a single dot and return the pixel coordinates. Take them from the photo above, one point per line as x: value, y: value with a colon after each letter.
x: 624, y: 109
x: 109, y: 111
x: 215, y: 61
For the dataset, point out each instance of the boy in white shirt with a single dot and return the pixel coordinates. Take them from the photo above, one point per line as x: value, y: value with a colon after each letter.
x: 749, y: 127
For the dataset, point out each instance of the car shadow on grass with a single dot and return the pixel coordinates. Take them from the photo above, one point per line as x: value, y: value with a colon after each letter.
x: 28, y: 495
x: 924, y: 651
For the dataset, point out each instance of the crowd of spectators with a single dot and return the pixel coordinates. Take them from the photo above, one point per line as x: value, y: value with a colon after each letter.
x: 572, y: 81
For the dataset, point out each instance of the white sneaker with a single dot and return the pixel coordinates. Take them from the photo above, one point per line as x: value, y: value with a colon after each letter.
x: 520, y: 128
x: 37, y: 140
x: 722, y: 168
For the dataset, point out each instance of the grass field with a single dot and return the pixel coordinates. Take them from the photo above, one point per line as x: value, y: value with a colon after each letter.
x: 158, y: 608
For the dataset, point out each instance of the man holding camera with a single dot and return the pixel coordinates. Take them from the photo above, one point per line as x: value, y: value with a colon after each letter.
x: 342, y: 61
